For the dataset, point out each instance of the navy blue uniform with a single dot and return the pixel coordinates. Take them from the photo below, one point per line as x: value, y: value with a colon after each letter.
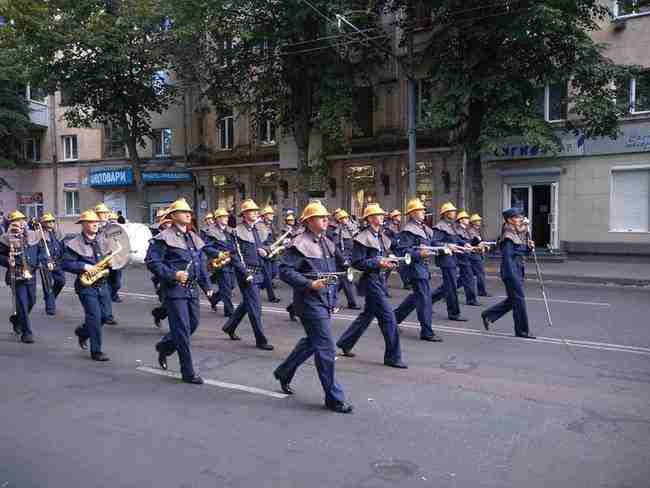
x: 57, y: 276
x: 107, y: 304
x: 444, y: 233
x: 250, y: 239
x: 170, y: 251
x: 477, y: 261
x: 218, y: 240
x: 369, y: 248
x: 465, y: 266
x: 513, y: 248
x: 311, y: 254
x: 417, y: 276
x: 343, y: 237
x: 79, y: 253
x: 29, y: 260
x: 270, y: 267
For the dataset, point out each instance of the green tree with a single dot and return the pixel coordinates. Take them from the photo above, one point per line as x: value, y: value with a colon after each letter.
x: 490, y: 59
x: 107, y: 56
x: 283, y: 59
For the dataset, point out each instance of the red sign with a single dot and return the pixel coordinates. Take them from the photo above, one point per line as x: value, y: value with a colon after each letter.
x: 30, y: 198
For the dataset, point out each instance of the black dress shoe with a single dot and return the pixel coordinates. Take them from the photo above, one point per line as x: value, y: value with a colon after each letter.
x: 292, y: 316
x: 265, y: 347
x: 27, y: 339
x: 284, y: 386
x: 99, y: 356
x: 117, y: 299
x: 194, y: 380
x: 396, y: 364
x: 274, y: 300
x: 347, y: 353
x: 83, y: 341
x: 486, y: 322
x: 458, y: 318
x: 526, y: 336
x: 433, y: 338
x: 354, y: 307
x: 162, y: 360
x: 233, y: 336
x: 475, y: 304
x: 156, y: 319
x: 51, y: 313
x: 340, y: 408
x: 110, y: 321
x: 16, y: 326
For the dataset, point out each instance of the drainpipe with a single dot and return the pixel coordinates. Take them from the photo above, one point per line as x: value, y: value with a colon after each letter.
x: 53, y: 151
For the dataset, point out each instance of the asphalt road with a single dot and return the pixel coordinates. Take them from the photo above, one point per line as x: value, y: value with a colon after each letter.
x: 571, y: 409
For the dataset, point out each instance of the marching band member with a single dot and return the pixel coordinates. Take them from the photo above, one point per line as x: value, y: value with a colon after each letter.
x: 218, y: 238
x: 175, y: 257
x: 476, y: 258
x: 55, y: 246
x: 342, y: 234
x: 514, y: 247
x: 208, y: 222
x: 155, y: 229
x: 314, y: 299
x: 248, y: 261
x: 371, y: 248
x: 289, y: 221
x: 415, y: 234
x: 21, y: 264
x: 160, y: 312
x: 270, y: 267
x: 445, y: 234
x: 115, y: 275
x: 392, y: 227
x: 103, y: 213
x: 81, y: 254
x: 466, y: 276
x: 295, y: 228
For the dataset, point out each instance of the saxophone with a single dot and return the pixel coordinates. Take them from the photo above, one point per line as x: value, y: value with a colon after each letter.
x: 99, y: 271
x: 222, y: 259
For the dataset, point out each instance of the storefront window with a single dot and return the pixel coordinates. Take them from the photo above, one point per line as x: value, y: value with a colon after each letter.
x: 267, y: 189
x: 423, y: 183
x: 225, y: 187
x: 362, y: 187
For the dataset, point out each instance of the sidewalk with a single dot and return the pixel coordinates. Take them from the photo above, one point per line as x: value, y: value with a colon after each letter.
x: 573, y: 271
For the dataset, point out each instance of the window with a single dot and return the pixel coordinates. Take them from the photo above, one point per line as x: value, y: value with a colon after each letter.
x: 623, y: 8
x: 36, y: 94
x: 630, y: 200
x: 70, y: 148
x: 363, y: 111
x: 32, y: 149
x: 65, y: 97
x: 113, y: 144
x: 633, y: 96
x: 266, y: 131
x: 551, y: 102
x: 71, y: 203
x: 226, y: 131
x: 162, y: 142
x: 423, y: 101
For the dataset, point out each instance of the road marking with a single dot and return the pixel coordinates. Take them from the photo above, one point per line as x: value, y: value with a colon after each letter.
x: 558, y: 300
x: 218, y: 384
x: 601, y: 346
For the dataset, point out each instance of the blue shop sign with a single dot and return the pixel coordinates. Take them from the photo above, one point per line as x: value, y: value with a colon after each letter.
x: 167, y: 177
x: 111, y: 177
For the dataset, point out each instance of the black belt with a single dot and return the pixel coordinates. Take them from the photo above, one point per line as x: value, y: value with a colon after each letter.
x: 255, y: 269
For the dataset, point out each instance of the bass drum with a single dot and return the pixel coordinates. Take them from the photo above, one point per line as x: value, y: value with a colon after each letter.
x: 139, y: 237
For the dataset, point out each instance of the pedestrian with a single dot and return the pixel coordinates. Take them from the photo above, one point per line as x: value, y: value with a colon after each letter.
x: 465, y: 273
x: 514, y: 246
x: 53, y: 276
x: 175, y: 257
x: 444, y: 234
x: 414, y: 235
x: 477, y: 259
x: 81, y: 254
x: 248, y: 262
x: 370, y: 253
x: 219, y: 242
x: 20, y: 253
x: 314, y: 299
x: 342, y: 234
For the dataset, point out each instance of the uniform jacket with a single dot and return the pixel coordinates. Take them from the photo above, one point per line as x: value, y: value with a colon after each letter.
x: 306, y: 256
x: 219, y: 240
x: 252, y: 261
x: 476, y: 239
x: 464, y: 237
x: 369, y: 248
x: 79, y: 252
x: 445, y: 233
x: 54, y: 244
x: 411, y: 237
x: 168, y: 253
x: 514, y: 248
x: 343, y: 237
x: 27, y: 244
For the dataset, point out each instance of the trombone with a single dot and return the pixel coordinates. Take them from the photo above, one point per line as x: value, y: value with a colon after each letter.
x: 279, y: 246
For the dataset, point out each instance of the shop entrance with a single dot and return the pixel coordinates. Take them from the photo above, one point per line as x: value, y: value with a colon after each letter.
x: 539, y: 203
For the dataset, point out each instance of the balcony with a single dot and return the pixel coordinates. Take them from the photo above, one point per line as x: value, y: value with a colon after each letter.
x: 39, y: 114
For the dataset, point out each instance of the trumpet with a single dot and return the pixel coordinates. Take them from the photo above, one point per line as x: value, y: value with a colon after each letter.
x: 222, y: 259
x: 406, y: 259
x: 100, y: 270
x: 279, y: 246
x: 437, y: 250
x: 332, y: 278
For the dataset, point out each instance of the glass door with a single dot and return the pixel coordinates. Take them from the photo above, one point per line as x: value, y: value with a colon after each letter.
x: 553, y: 216
x: 361, y: 180
x: 521, y: 198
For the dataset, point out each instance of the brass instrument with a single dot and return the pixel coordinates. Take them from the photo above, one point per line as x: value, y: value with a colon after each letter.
x: 436, y: 249
x: 12, y: 263
x: 223, y: 258
x: 22, y: 272
x: 100, y: 270
x: 483, y: 246
x: 332, y: 278
x: 279, y: 246
x: 406, y: 259
x: 249, y: 276
x: 45, y: 271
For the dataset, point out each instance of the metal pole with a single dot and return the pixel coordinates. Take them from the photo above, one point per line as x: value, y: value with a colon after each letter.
x: 411, y: 113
